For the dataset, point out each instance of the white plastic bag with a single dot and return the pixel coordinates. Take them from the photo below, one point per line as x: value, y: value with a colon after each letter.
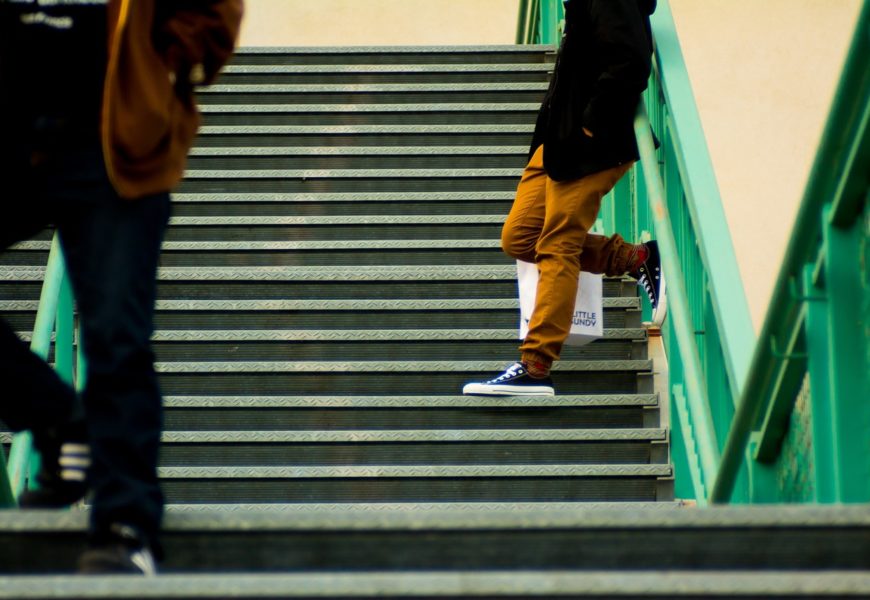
x: 588, y: 321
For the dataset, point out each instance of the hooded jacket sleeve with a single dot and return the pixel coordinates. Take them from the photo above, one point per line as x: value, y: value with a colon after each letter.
x: 197, y: 36
x: 622, y: 47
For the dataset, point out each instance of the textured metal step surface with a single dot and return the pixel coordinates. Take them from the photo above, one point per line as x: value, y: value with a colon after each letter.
x: 346, y: 55
x: 501, y: 537
x: 348, y: 413
x: 386, y: 377
x: 408, y: 449
x: 383, y: 74
x: 358, y: 157
x: 625, y: 585
x: 511, y: 304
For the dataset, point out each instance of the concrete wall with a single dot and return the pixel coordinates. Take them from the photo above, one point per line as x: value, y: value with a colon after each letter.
x: 378, y: 22
x: 764, y: 74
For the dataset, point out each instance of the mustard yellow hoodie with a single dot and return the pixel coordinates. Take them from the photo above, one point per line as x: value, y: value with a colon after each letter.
x: 159, y: 51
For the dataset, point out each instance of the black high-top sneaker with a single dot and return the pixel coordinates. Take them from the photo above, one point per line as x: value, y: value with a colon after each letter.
x: 65, y: 457
x: 650, y: 277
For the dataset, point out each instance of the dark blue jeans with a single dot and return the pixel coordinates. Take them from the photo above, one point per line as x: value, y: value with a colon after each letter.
x: 111, y: 247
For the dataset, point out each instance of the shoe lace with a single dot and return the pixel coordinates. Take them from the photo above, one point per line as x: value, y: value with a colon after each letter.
x: 512, y: 371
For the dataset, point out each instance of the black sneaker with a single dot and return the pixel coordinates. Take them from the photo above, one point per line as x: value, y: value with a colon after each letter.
x: 650, y: 277
x: 515, y: 381
x: 120, y: 551
x: 65, y: 457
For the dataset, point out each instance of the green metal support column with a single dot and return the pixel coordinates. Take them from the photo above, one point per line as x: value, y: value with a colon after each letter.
x: 847, y: 344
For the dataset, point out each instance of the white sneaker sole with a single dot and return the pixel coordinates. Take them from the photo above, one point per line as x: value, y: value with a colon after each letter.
x: 661, y: 310
x: 479, y: 389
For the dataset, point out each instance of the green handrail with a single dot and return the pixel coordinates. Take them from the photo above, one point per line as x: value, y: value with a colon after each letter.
x: 834, y: 206
x: 725, y: 387
x: 54, y: 316
x: 679, y: 309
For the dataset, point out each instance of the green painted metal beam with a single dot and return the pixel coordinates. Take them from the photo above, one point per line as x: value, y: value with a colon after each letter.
x: 678, y: 303
x: 836, y: 175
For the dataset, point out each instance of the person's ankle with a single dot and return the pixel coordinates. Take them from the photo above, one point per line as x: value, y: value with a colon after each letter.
x: 536, y: 368
x: 638, y: 256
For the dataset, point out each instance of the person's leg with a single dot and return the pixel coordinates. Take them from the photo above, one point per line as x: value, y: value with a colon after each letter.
x: 571, y: 210
x: 112, y: 247
x: 609, y: 255
x: 519, y: 237
x: 34, y: 396
x: 522, y: 228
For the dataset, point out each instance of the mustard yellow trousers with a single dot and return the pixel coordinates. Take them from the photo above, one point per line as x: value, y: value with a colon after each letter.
x: 549, y: 225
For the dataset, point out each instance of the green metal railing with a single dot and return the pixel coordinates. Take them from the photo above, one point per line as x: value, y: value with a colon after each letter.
x: 817, y: 330
x: 54, y: 319
x: 727, y: 391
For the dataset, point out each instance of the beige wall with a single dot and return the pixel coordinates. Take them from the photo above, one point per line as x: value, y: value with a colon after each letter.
x: 378, y: 22
x: 764, y: 73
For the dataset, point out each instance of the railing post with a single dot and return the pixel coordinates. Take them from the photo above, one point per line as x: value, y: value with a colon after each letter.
x: 847, y: 344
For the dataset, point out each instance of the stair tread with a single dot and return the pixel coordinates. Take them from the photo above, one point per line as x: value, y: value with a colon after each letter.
x: 385, y: 366
x: 386, y: 67
x: 413, y: 436
x: 361, y: 197
x: 371, y: 107
x: 346, y: 173
x: 357, y: 151
x: 416, y: 471
x: 338, y: 305
x: 458, y: 584
x: 468, y: 515
x: 322, y: 130
x: 507, y: 402
x: 333, y: 88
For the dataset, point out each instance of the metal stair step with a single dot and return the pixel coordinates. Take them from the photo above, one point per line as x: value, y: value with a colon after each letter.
x: 385, y: 377
x: 384, y: 74
x: 411, y: 448
x: 358, y: 157
x: 412, y: 55
x: 364, y: 135
x: 410, y: 483
x: 412, y: 346
x: 544, y: 584
x: 302, y: 413
x: 505, y: 537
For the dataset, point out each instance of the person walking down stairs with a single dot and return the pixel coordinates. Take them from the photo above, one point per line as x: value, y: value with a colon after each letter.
x: 95, y: 134
x: 583, y: 144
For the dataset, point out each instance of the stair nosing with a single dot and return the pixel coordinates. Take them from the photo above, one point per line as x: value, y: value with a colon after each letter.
x: 628, y: 302
x: 311, y: 174
x: 452, y: 584
x: 414, y: 436
x: 334, y: 367
x: 458, y: 516
x: 451, y: 107
x: 351, y: 402
x: 376, y: 88
x: 418, y: 472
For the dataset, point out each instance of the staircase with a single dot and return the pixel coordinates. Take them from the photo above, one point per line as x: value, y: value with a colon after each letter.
x: 331, y: 278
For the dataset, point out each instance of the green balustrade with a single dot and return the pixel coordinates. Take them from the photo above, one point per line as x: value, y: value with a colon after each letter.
x: 745, y: 411
x: 54, y: 318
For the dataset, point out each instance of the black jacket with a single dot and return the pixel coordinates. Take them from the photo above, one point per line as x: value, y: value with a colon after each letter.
x: 603, y: 66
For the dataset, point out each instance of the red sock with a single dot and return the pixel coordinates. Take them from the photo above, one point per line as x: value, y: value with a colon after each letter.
x: 536, y: 369
x: 639, y: 255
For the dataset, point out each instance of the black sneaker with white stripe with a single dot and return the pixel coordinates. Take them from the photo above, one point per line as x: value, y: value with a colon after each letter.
x: 515, y: 381
x: 650, y: 277
x: 65, y: 457
x: 120, y: 550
